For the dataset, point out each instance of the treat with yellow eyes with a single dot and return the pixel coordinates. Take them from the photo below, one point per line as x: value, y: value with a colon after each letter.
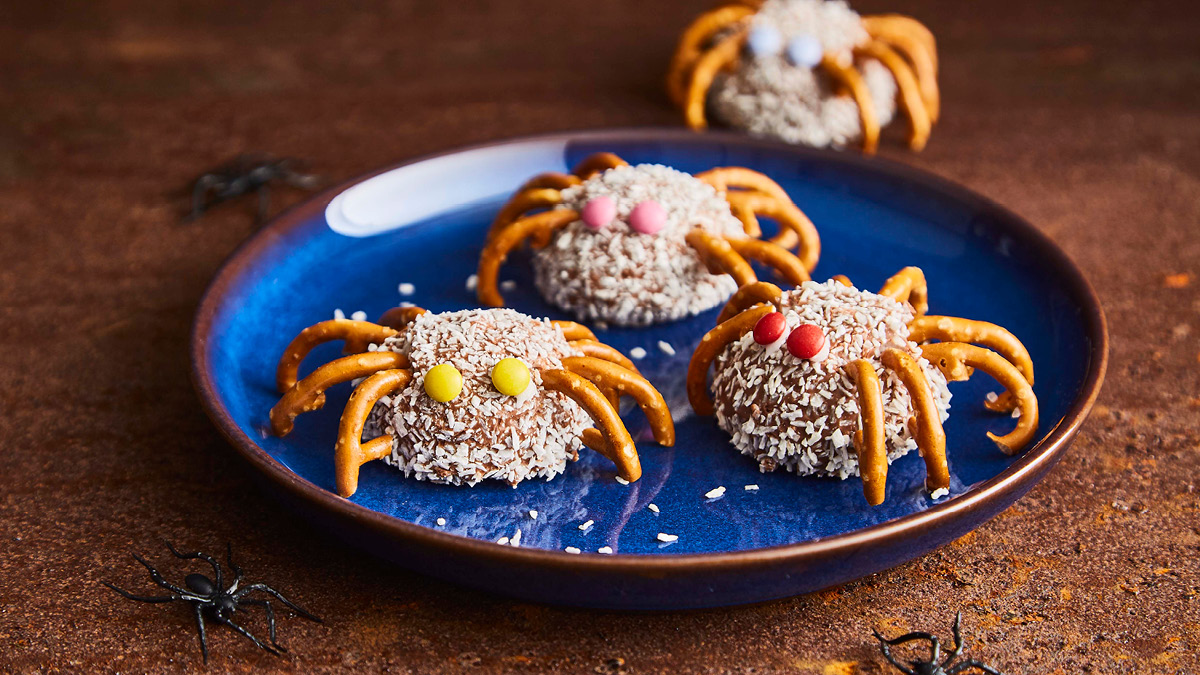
x: 460, y: 397
x: 812, y: 72
x: 637, y: 245
x: 830, y: 380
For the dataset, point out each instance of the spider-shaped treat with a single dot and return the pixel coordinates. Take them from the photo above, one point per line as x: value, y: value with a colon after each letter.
x: 636, y: 245
x: 931, y: 666
x: 797, y: 372
x: 212, y: 595
x: 783, y: 69
x: 459, y: 397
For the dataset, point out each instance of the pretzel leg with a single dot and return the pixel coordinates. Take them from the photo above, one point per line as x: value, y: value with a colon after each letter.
x: 400, y: 317
x: 849, y: 78
x: 748, y: 296
x: 523, y: 202
x: 574, y: 331
x: 955, y: 329
x: 618, y: 445
x: 956, y: 359
x: 609, y: 375
x: 774, y: 256
x: 744, y: 213
x: 308, y: 394
x: 869, y: 440
x: 931, y: 438
x: 911, y: 99
x: 843, y: 280
x: 720, y: 258
x: 721, y: 56
x: 692, y: 42
x: 349, y: 453
x: 599, y: 350
x: 509, y: 238
x: 597, y: 163
x: 357, y: 334
x: 710, y: 346
x: 794, y: 226
x: 917, y: 44
x: 908, y: 285
x: 553, y: 180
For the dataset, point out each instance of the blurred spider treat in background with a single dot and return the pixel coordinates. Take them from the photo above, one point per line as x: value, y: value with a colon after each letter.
x: 829, y: 380
x: 460, y: 397
x: 808, y: 72
x: 637, y: 245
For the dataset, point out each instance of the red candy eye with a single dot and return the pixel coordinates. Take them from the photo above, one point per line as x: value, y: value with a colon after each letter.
x: 769, y: 328
x: 805, y: 341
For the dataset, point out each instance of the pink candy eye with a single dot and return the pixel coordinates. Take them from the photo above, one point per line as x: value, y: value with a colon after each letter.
x: 647, y: 217
x: 598, y: 212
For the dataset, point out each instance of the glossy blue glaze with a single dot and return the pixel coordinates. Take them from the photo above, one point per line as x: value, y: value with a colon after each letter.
x: 872, y: 222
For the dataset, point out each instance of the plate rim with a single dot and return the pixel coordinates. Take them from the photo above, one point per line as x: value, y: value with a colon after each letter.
x: 1023, y: 473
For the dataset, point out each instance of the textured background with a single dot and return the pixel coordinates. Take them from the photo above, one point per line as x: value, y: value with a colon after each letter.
x: 1083, y: 116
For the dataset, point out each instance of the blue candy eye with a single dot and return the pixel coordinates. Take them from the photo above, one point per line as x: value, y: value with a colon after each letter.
x: 763, y: 41
x: 804, y: 51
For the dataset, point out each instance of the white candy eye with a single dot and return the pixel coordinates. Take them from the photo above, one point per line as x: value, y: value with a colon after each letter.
x: 804, y: 51
x: 764, y: 40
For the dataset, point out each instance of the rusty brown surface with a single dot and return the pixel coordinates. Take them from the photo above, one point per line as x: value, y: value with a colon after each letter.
x: 1082, y: 116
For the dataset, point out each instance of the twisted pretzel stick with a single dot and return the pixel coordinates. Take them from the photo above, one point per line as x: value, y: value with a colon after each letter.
x: 523, y: 202
x: 910, y: 91
x: 719, y: 257
x: 931, y: 438
x: 710, y: 346
x: 349, y: 453
x: 917, y: 44
x: 308, y: 394
x: 849, y: 78
x: 510, y: 237
x: 843, y: 280
x: 954, y: 329
x: 908, y: 285
x: 772, y: 255
x: 574, y: 331
x: 599, y: 350
x: 956, y: 358
x: 598, y: 163
x: 748, y: 296
x: 690, y: 45
x: 606, y: 374
x: 353, y: 332
x: 553, y: 180
x: 396, y: 318
x: 618, y: 445
x: 722, y: 55
x: 869, y: 441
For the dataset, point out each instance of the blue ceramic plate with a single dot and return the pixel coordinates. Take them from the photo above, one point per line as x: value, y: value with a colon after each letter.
x: 423, y: 223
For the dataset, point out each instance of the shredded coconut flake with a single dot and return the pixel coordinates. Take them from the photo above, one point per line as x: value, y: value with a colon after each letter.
x: 667, y: 538
x: 715, y: 492
x: 939, y: 493
x: 653, y: 507
x: 407, y: 288
x: 751, y: 488
x: 666, y: 347
x: 607, y: 550
x: 572, y: 549
x: 441, y: 522
x: 533, y: 514
x: 637, y: 353
x: 587, y: 525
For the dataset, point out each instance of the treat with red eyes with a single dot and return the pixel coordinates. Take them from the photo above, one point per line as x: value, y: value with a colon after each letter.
x: 460, y: 397
x: 826, y: 379
x: 636, y: 245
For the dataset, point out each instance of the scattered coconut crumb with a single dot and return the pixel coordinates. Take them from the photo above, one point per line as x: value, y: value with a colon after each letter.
x: 653, y: 507
x: 667, y: 538
x: 516, y: 538
x: 606, y: 550
x: 407, y: 288
x: 1016, y: 412
x: 622, y: 481
x: 472, y: 282
x: 939, y: 493
x: 508, y: 285
x: 359, y: 316
x: 441, y: 522
x: 587, y: 525
x: 666, y: 347
x: 503, y: 541
x: 339, y: 314
x: 718, y: 491
x: 572, y: 549
x: 637, y: 353
x: 991, y: 397
x: 533, y: 513
x: 751, y: 488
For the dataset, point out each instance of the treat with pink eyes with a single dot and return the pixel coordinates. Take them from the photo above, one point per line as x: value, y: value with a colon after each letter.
x: 830, y: 380
x: 636, y: 245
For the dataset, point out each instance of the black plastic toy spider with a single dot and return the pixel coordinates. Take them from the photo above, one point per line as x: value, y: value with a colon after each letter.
x: 208, y: 594
x: 932, y: 667
x: 245, y: 174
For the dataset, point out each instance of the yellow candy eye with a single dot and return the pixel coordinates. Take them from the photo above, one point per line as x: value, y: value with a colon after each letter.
x: 443, y: 382
x: 510, y: 376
